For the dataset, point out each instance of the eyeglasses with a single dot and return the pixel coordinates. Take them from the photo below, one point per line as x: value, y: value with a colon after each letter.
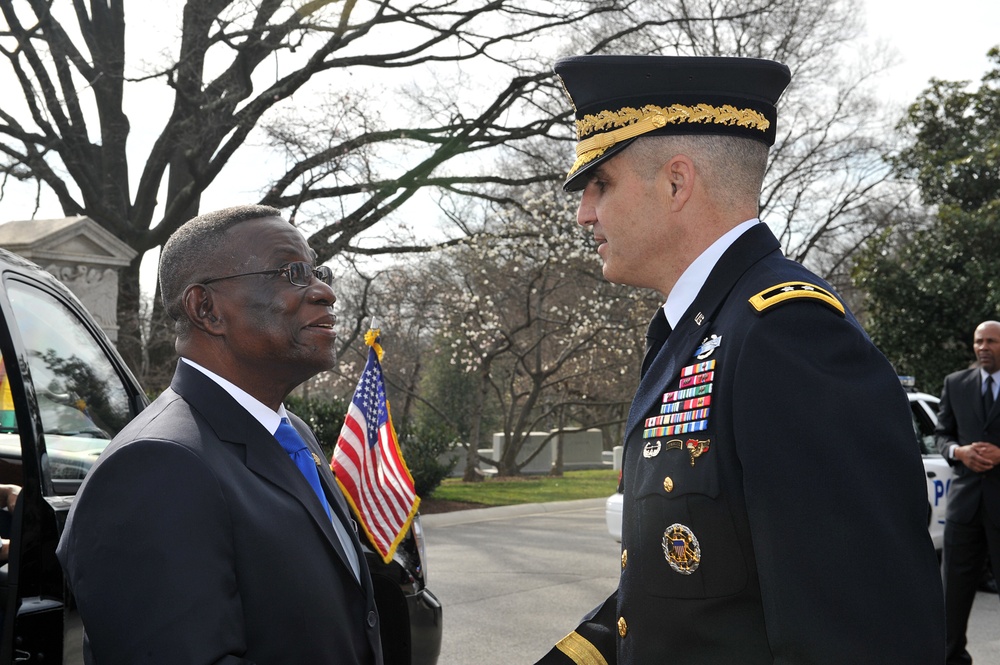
x: 299, y: 273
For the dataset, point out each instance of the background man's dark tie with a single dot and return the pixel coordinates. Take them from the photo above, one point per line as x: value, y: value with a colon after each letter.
x: 988, y: 395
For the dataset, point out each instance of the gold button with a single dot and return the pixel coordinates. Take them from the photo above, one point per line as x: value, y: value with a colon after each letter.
x: 622, y: 627
x: 624, y: 558
x: 668, y: 484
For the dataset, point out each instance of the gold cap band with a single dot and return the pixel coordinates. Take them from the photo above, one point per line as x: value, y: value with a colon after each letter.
x: 629, y: 123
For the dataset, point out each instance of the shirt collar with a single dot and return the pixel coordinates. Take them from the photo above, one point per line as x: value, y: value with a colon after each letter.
x: 691, y: 280
x: 995, y: 375
x: 263, y: 414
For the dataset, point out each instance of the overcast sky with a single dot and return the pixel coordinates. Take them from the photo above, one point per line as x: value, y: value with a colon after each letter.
x: 945, y: 40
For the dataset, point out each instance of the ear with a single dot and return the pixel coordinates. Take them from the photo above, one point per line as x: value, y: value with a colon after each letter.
x: 200, y: 308
x: 680, y: 173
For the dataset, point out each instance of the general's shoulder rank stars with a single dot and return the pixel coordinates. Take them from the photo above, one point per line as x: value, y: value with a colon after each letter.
x: 792, y: 291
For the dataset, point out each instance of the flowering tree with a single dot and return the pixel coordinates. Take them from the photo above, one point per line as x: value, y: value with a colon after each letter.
x: 548, y: 341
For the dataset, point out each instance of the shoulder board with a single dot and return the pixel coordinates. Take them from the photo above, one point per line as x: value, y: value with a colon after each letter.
x: 787, y: 291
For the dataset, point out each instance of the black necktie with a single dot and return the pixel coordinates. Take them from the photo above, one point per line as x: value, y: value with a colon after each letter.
x: 656, y: 335
x: 988, y: 395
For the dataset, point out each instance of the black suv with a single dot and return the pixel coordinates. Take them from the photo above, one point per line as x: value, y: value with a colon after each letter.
x: 64, y: 393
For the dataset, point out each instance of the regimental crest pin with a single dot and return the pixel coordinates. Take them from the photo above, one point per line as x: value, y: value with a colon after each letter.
x: 681, y: 548
x: 651, y: 449
x: 708, y: 346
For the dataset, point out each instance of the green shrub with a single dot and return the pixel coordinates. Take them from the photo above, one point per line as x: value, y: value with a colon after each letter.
x: 325, y: 417
x: 423, y: 457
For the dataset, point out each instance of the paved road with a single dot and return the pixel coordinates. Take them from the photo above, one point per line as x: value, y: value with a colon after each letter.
x: 514, y: 580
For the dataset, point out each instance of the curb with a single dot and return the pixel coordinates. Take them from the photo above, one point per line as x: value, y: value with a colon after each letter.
x: 474, y: 515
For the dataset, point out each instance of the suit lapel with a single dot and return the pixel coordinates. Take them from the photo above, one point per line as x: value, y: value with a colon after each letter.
x: 696, y: 323
x: 975, y: 387
x: 264, y: 456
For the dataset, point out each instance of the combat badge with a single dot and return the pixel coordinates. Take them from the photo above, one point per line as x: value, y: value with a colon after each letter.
x: 651, y: 449
x: 681, y: 549
x: 708, y: 346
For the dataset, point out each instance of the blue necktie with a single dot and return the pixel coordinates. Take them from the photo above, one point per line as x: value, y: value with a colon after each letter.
x: 303, y: 458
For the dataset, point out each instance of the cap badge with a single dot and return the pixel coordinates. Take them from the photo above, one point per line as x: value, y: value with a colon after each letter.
x: 681, y: 548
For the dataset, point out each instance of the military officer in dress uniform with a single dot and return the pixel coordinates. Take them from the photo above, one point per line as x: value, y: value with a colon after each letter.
x: 775, y: 507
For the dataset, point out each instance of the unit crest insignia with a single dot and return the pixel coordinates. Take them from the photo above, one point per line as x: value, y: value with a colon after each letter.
x: 681, y: 549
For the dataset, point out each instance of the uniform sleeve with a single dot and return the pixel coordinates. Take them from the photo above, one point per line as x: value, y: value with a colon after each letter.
x: 835, y: 494
x: 592, y: 643
x: 148, y: 555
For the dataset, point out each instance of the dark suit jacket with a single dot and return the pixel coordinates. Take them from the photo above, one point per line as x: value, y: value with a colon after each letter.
x: 801, y: 497
x: 961, y: 421
x: 195, y: 539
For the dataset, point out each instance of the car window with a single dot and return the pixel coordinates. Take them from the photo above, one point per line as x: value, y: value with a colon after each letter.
x: 82, y: 402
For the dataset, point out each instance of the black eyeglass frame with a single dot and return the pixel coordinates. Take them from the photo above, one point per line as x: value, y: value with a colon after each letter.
x: 322, y: 273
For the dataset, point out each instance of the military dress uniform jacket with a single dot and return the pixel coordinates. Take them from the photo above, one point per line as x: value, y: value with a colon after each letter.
x: 195, y: 539
x: 775, y: 508
x: 962, y: 420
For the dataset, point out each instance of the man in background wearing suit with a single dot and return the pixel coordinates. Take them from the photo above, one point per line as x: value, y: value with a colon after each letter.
x: 775, y: 510
x: 210, y: 530
x: 968, y: 433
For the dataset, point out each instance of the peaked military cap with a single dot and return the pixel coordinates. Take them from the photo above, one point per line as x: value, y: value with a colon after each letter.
x: 620, y: 97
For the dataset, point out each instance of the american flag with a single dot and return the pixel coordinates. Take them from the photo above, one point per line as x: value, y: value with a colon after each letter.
x: 368, y: 464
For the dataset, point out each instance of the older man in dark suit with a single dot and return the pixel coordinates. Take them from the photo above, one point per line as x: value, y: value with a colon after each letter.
x: 210, y: 530
x: 968, y: 435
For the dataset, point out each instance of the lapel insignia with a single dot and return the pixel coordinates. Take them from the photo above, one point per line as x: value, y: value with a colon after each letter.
x: 651, y: 449
x: 697, y: 448
x: 681, y: 548
x: 708, y: 346
x: 316, y: 459
x: 699, y: 318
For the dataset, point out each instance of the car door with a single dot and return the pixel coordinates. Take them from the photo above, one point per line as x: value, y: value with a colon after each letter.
x: 64, y: 392
x: 936, y: 468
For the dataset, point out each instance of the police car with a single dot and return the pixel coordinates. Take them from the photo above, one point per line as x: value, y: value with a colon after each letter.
x: 64, y: 393
x: 923, y: 409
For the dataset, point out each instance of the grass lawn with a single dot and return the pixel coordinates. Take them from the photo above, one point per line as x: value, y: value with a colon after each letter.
x: 530, y: 489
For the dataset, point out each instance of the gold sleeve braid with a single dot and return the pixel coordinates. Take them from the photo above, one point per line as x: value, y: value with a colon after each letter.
x: 578, y: 649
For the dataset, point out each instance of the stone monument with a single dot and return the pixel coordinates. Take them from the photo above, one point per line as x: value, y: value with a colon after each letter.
x: 81, y: 254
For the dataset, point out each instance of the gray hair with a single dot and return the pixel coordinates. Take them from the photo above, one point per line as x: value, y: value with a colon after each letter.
x: 197, y: 246
x: 732, y: 167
